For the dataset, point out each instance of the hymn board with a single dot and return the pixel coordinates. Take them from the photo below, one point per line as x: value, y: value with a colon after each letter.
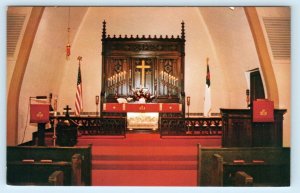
x: 154, y: 63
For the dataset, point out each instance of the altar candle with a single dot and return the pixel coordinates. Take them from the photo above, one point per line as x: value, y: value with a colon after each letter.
x: 162, y: 75
x: 124, y: 75
x: 129, y: 73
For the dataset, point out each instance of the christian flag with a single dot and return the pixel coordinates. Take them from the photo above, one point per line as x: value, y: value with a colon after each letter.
x: 78, y: 101
x: 207, y: 99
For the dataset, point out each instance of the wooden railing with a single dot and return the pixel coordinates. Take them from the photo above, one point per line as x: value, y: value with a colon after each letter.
x: 95, y: 125
x: 203, y: 126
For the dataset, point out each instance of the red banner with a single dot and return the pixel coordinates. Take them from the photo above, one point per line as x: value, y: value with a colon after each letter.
x: 171, y: 108
x: 148, y: 107
x: 263, y: 111
x: 114, y: 107
x: 142, y: 107
x: 39, y: 113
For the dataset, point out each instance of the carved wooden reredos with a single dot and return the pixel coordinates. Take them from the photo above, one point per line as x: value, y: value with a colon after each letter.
x: 156, y: 63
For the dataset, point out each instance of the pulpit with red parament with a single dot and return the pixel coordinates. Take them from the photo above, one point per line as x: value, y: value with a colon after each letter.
x: 39, y: 113
x: 239, y: 129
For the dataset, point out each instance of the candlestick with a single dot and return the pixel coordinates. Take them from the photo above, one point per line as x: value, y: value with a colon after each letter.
x: 188, y: 102
x: 55, y: 105
x: 97, y: 103
x: 97, y: 100
x: 247, y: 97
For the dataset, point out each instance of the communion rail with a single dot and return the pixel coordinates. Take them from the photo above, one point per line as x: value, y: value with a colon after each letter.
x: 202, y: 126
x: 94, y: 125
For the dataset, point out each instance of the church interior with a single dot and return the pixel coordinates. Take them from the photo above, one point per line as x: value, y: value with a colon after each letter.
x: 148, y: 96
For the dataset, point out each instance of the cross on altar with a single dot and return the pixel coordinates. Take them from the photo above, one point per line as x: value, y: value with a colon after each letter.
x: 67, y: 110
x: 143, y: 67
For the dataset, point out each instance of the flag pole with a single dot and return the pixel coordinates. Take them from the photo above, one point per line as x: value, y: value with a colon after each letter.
x: 78, y: 101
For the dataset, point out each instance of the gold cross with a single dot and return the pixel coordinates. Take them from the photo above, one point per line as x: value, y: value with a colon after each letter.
x: 143, y: 67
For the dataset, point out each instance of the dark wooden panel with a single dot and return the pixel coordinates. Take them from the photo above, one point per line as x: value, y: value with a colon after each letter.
x: 162, y: 72
x: 56, y: 154
x: 274, y: 171
x: 240, y: 131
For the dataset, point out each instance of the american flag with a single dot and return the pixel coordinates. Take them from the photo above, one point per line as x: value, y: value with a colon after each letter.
x: 78, y: 101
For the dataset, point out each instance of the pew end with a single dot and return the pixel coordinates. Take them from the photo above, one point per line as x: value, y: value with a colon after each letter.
x: 56, y: 178
x: 241, y: 178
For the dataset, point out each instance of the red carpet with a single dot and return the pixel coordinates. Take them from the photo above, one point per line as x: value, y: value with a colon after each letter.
x: 145, y: 159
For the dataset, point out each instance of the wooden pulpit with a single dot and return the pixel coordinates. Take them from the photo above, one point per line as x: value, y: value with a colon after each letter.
x: 39, y: 113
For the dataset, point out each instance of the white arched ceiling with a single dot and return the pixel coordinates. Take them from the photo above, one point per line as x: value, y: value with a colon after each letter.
x: 46, y: 63
x: 235, y: 48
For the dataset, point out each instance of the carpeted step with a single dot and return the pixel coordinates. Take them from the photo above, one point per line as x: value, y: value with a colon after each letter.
x: 144, y: 177
x: 145, y: 157
x: 142, y: 150
x: 207, y: 141
x: 144, y: 165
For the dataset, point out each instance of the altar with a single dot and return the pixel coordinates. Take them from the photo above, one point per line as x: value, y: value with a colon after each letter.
x: 142, y: 116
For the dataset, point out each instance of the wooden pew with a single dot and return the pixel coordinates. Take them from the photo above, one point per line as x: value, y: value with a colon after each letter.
x: 56, y: 178
x: 37, y: 163
x: 267, y: 166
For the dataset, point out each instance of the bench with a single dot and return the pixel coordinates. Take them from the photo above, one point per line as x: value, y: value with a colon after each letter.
x: 259, y: 166
x: 38, y: 164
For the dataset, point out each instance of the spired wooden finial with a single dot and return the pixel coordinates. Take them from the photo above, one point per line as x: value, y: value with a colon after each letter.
x: 104, y: 30
x: 182, y: 30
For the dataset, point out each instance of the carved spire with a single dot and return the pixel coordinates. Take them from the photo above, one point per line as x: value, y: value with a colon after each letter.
x: 182, y: 31
x: 104, y: 30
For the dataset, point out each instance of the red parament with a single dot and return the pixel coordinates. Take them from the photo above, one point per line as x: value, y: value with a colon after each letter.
x: 263, y: 111
x: 39, y: 113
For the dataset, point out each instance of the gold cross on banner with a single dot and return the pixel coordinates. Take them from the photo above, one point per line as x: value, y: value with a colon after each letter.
x: 143, y: 67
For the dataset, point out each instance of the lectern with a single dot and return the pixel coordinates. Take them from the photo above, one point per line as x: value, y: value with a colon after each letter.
x: 39, y: 113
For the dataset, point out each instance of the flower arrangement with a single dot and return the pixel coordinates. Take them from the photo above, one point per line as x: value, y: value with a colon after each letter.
x: 140, y: 94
